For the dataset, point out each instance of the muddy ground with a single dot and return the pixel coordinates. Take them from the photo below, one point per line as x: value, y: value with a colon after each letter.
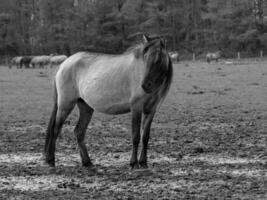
x: 208, y: 140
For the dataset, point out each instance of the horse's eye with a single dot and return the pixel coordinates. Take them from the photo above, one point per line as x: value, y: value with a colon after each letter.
x: 149, y: 84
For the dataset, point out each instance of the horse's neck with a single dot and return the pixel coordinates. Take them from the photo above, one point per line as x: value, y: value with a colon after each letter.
x: 137, y: 70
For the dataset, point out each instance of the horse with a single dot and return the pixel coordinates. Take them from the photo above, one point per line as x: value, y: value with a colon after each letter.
x: 16, y: 61
x: 136, y: 81
x: 174, y: 56
x: 36, y: 62
x: 26, y: 60
x: 57, y: 60
x: 40, y: 61
x: 213, y: 56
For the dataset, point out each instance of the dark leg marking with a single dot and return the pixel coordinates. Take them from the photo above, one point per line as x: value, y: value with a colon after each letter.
x: 61, y: 115
x: 145, y: 138
x: 136, y: 122
x: 86, y: 113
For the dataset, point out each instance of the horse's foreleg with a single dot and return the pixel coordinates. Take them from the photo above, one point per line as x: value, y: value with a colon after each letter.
x: 61, y: 115
x: 136, y: 122
x: 145, y: 138
x: 86, y: 113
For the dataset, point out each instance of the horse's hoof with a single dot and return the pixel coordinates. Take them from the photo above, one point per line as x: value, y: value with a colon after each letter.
x: 143, y: 165
x: 49, y: 162
x: 135, y: 166
x: 92, y: 170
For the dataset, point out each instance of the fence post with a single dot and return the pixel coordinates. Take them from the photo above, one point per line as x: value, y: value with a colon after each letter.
x: 194, y: 57
x: 238, y: 55
x: 261, y: 53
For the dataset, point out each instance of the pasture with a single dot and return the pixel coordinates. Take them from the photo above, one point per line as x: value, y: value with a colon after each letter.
x: 208, y: 139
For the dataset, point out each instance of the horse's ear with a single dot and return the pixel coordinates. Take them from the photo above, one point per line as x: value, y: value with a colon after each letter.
x: 146, y: 39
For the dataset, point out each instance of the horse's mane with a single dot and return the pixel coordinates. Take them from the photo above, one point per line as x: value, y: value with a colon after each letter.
x: 136, y: 49
x: 168, y: 80
x: 139, y: 50
x: 169, y: 73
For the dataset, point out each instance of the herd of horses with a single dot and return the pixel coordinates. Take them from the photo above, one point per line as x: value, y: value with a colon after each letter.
x: 174, y: 55
x: 37, y: 61
x: 55, y: 60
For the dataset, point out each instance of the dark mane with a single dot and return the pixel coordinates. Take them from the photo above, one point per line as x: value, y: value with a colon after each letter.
x: 156, y: 50
x: 168, y: 80
x: 141, y: 48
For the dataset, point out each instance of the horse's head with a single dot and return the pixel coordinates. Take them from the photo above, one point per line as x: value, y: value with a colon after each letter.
x: 157, y: 63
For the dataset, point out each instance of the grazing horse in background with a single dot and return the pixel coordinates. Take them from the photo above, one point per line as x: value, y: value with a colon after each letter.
x: 213, y: 56
x: 136, y: 81
x: 16, y: 61
x: 46, y: 61
x: 26, y: 60
x: 174, y: 56
x: 36, y: 62
x: 40, y: 61
x: 57, y: 60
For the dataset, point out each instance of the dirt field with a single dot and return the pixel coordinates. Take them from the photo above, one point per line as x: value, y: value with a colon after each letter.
x: 208, y: 140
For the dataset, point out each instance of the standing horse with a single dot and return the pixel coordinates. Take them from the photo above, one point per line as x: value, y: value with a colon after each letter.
x: 136, y: 81
x: 213, y: 56
x: 174, y: 56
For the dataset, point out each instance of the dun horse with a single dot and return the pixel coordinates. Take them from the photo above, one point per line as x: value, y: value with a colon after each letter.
x: 213, y: 56
x: 136, y: 81
x: 174, y: 56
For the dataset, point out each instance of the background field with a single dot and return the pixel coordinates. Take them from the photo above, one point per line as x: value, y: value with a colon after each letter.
x: 208, y: 139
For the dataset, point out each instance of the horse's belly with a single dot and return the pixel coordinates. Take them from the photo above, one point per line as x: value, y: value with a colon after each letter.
x: 106, y: 98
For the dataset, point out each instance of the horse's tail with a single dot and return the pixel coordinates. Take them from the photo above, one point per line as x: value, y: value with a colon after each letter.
x: 52, y: 121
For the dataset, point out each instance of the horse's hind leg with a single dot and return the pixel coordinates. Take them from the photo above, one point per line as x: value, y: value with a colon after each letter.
x: 86, y: 113
x: 61, y: 113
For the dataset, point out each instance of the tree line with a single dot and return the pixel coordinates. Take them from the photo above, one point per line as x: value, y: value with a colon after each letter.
x: 37, y: 27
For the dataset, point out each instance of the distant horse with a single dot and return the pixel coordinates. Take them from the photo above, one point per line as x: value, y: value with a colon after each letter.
x: 57, y: 60
x: 213, y: 56
x: 16, y: 61
x: 136, y: 81
x: 40, y: 61
x: 174, y: 56
x: 36, y: 62
x: 25, y: 61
